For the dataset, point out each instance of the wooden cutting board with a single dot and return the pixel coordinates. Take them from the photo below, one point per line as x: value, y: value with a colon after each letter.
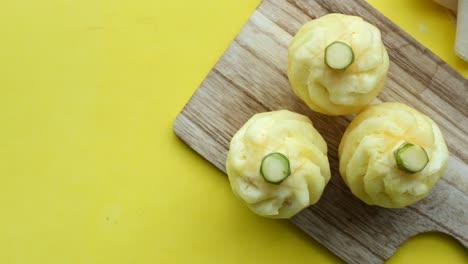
x: 251, y: 77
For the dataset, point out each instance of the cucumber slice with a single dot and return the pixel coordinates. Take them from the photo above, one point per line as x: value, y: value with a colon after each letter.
x: 411, y: 158
x: 339, y: 55
x: 275, y: 168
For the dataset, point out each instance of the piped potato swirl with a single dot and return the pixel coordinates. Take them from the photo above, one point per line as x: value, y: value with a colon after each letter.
x: 368, y: 155
x: 292, y: 144
x: 332, y: 90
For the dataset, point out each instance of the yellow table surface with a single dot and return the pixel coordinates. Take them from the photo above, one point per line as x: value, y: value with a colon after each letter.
x: 90, y: 170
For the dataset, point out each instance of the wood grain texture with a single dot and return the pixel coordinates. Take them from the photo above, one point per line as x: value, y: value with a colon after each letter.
x: 251, y: 77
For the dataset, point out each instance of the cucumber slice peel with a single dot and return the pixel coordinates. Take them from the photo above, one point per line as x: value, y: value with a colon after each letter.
x: 411, y: 158
x: 275, y: 168
x: 339, y: 55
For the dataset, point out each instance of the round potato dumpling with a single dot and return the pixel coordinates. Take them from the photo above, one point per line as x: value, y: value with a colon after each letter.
x: 277, y: 164
x: 337, y: 64
x: 391, y: 155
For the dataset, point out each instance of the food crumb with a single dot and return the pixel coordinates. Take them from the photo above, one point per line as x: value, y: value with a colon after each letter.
x: 423, y: 28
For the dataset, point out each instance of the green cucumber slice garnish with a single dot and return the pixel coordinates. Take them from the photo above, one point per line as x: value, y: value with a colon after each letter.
x: 275, y: 168
x: 411, y: 158
x: 339, y: 55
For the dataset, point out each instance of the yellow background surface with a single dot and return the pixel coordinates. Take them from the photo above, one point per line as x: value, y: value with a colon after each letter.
x: 90, y: 170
